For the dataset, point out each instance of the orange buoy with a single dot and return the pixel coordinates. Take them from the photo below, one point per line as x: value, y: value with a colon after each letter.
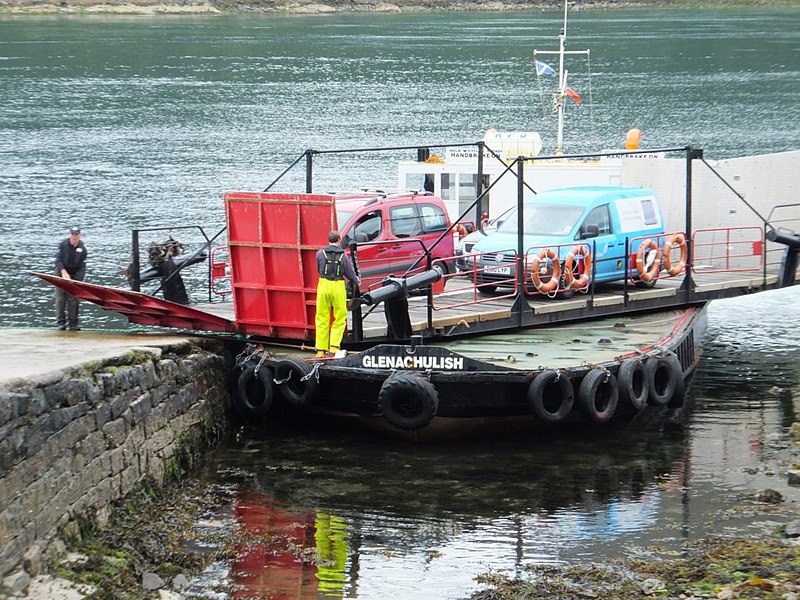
x: 578, y: 256
x: 645, y: 247
x: 552, y: 285
x: 632, y: 139
x: 676, y: 239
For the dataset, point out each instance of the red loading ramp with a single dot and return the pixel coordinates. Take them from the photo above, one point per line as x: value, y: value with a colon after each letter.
x: 273, y: 240
x: 140, y: 308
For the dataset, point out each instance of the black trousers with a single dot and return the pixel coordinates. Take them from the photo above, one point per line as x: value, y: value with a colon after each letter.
x: 66, y: 309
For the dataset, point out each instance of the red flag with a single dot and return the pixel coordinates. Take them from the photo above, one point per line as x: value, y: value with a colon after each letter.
x: 574, y: 95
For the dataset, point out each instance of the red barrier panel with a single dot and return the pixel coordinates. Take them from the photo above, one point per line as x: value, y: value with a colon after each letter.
x: 273, y: 240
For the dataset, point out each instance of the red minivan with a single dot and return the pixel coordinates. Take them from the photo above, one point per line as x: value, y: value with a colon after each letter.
x: 392, y: 231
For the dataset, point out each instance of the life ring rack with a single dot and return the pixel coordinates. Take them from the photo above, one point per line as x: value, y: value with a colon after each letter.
x: 536, y: 278
x: 676, y: 239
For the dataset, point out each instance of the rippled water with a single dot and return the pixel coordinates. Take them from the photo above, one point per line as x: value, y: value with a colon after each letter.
x: 117, y: 123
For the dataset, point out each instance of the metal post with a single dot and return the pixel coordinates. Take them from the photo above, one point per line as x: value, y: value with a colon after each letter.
x: 593, y: 276
x: 520, y: 235
x: 429, y: 312
x: 479, y: 186
x: 135, y: 270
x: 627, y: 263
x: 355, y: 307
x: 309, y: 170
x: 691, y: 154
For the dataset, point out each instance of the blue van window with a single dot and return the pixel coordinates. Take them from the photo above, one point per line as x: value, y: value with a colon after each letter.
x: 601, y: 217
x: 544, y: 219
x: 649, y: 210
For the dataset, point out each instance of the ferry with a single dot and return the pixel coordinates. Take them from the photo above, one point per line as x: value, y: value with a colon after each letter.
x: 537, y: 334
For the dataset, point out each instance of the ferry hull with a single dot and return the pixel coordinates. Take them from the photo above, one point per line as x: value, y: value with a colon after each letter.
x: 443, y: 394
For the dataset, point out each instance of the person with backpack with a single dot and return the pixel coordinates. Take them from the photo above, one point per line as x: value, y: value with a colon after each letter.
x: 333, y: 266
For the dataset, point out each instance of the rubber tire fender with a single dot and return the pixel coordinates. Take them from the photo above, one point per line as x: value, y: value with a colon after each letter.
x: 295, y: 390
x: 408, y: 402
x: 634, y: 387
x: 598, y: 396
x: 551, y: 396
x: 665, y: 380
x: 249, y: 401
x: 680, y: 385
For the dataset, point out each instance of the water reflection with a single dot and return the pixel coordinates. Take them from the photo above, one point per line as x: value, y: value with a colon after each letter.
x: 295, y: 555
x: 355, y: 516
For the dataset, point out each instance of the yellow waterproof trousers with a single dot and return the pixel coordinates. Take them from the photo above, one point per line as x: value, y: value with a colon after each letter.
x: 331, y: 297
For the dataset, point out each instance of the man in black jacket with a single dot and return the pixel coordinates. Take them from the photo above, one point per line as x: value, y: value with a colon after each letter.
x: 70, y: 264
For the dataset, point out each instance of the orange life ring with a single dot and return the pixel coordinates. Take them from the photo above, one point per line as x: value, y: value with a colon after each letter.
x: 551, y: 285
x: 676, y: 239
x: 644, y: 248
x: 584, y: 256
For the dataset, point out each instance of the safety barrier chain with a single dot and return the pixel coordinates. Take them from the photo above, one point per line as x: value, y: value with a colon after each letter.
x: 251, y: 352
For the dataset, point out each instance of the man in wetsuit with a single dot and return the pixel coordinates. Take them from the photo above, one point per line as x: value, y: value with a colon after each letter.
x: 333, y: 265
x: 70, y: 264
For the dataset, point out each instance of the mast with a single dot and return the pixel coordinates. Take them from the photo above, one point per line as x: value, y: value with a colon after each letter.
x: 562, y: 84
x: 560, y: 95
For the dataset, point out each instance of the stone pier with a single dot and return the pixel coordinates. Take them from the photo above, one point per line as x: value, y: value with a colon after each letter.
x: 85, y: 418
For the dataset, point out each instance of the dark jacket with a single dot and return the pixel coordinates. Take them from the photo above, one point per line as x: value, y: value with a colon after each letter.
x: 337, y: 256
x: 73, y: 259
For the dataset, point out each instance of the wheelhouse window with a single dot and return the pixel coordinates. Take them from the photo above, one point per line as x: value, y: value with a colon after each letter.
x: 423, y: 182
x: 449, y: 186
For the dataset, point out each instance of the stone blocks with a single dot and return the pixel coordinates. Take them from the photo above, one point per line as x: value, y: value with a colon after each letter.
x: 70, y: 447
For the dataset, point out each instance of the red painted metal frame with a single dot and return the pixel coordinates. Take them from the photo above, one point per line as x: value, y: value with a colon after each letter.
x: 220, y: 269
x: 140, y: 308
x: 273, y: 240
x: 755, y: 244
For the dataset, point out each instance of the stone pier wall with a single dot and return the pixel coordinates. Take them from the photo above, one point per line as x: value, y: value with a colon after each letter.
x: 78, y: 439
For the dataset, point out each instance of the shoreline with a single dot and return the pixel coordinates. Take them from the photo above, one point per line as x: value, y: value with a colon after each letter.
x: 68, y: 8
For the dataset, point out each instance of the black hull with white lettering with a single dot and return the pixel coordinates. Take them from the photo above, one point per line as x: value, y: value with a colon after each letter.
x: 424, y: 392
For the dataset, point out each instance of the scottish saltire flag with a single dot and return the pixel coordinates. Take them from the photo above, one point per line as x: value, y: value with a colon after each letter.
x: 543, y: 68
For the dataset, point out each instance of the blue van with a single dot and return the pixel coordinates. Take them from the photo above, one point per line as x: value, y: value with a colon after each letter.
x: 607, y: 223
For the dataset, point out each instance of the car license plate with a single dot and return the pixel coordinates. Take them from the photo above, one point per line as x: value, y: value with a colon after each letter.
x: 498, y: 270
